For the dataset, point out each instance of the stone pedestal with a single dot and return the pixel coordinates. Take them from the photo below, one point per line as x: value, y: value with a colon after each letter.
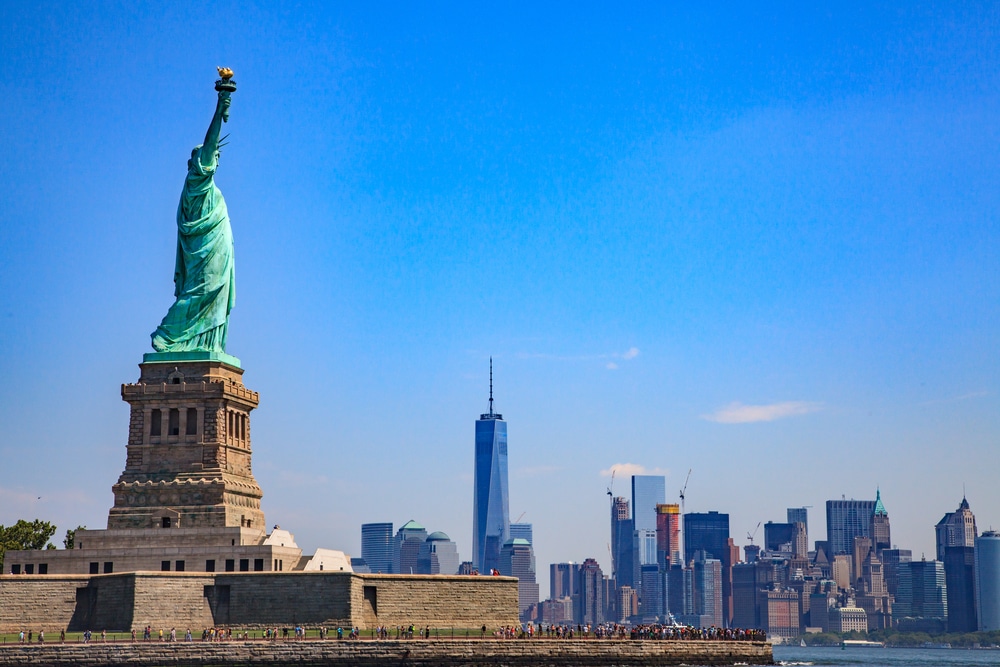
x: 188, y: 451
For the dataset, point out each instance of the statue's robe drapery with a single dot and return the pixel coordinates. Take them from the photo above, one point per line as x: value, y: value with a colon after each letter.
x: 205, y: 271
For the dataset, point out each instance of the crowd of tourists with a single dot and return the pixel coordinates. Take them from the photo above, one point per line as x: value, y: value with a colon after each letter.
x: 646, y: 631
x: 384, y: 632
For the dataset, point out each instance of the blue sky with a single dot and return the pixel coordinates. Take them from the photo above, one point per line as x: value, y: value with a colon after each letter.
x: 760, y: 243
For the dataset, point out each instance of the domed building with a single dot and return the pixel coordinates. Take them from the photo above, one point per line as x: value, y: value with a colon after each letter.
x: 438, y: 555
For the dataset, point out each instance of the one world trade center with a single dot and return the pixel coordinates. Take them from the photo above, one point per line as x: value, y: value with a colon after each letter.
x: 490, y: 507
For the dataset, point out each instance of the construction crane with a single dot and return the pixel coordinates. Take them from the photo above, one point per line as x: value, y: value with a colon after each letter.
x: 518, y: 519
x: 686, y: 479
x: 611, y: 494
x: 681, y: 522
x: 754, y: 534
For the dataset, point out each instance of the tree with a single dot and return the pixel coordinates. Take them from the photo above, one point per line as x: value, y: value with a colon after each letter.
x: 70, y: 540
x: 25, y: 535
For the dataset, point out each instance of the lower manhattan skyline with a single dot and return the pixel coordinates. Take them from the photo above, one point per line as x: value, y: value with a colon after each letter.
x: 759, y: 245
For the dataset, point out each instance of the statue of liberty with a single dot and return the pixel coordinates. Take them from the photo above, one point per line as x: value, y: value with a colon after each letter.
x: 205, y: 269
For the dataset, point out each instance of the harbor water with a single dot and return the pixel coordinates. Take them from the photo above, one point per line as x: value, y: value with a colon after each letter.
x: 834, y: 656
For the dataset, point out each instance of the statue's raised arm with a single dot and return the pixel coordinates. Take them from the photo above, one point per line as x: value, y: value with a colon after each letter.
x: 205, y: 269
x: 225, y: 86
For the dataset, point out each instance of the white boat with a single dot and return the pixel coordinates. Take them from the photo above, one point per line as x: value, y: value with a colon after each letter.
x: 861, y: 643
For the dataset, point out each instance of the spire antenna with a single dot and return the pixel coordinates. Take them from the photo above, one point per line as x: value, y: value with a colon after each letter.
x: 491, y: 385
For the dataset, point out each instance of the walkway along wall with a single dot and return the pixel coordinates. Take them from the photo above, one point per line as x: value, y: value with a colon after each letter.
x: 196, y: 600
x: 412, y: 653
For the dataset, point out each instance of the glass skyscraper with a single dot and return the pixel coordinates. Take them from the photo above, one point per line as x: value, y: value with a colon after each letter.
x: 521, y: 531
x: 922, y: 591
x: 845, y: 520
x: 988, y: 581
x: 621, y: 542
x: 376, y: 546
x: 490, y: 505
x: 648, y: 491
x: 798, y: 515
x: 708, y: 532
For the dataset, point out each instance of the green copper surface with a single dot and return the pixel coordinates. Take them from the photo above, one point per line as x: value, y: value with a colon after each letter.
x: 205, y: 269
x: 169, y: 357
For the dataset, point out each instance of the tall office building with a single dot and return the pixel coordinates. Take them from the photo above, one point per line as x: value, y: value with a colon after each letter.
x: 960, y: 584
x: 521, y: 531
x: 845, y: 520
x: 376, y: 546
x: 921, y: 592
x: 644, y: 544
x: 988, y: 581
x: 745, y: 595
x: 878, y: 525
x: 779, y: 537
x: 621, y: 542
x: 590, y: 601
x: 709, y: 532
x: 840, y: 571
x: 707, y: 592
x: 956, y: 529
x: 406, y: 547
x: 518, y: 560
x: 891, y: 558
x: 651, y: 600
x: 437, y: 555
x: 786, y: 538
x: 648, y: 491
x: 798, y: 515
x: 675, y: 595
x: 643, y: 554
x: 705, y: 531
x: 668, y: 534
x: 800, y: 542
x: 873, y: 576
x: 628, y: 603
x: 564, y: 580
x: 862, y: 545
x: 490, y: 504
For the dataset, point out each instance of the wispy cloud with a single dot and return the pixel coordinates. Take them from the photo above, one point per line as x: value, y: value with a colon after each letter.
x: 631, y: 353
x: 611, y: 366
x: 738, y: 413
x: 629, y: 469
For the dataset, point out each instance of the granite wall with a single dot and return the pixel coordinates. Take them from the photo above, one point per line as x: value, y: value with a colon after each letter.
x: 412, y: 653
x: 197, y: 600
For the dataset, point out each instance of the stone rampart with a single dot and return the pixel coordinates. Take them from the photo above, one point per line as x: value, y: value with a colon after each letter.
x: 41, y: 600
x: 411, y: 653
x: 197, y: 600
